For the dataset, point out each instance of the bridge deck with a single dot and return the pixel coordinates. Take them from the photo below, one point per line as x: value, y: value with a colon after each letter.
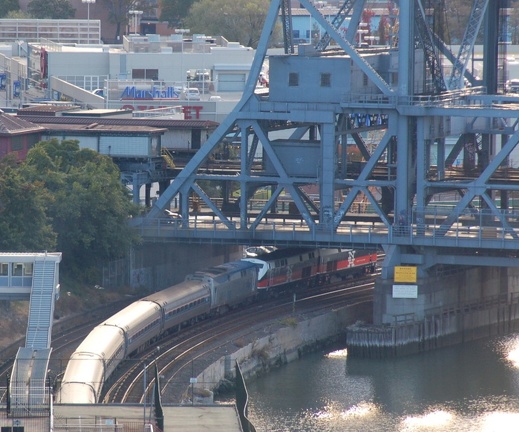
x: 354, y: 230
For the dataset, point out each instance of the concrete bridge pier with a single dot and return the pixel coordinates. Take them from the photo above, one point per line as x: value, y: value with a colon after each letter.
x: 444, y: 305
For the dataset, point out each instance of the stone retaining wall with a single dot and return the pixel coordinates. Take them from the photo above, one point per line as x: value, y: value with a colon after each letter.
x: 286, y: 344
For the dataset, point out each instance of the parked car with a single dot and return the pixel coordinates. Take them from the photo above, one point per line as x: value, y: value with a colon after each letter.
x: 191, y: 93
x: 172, y: 217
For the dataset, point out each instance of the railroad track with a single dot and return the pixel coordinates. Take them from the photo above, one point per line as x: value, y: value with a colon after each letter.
x: 67, y: 334
x: 186, y: 354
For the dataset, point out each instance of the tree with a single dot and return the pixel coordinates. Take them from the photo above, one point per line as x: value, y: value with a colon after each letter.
x: 513, y: 24
x: 90, y: 207
x: 23, y: 220
x: 236, y: 20
x: 118, y: 12
x: 456, y: 13
x: 7, y: 6
x: 175, y: 11
x: 51, y: 9
x: 18, y: 14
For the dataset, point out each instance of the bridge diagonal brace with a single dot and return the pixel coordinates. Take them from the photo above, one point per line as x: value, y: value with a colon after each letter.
x: 506, y: 226
x: 267, y: 206
x: 187, y: 175
x: 286, y: 16
x: 211, y: 205
x: 449, y: 55
x: 463, y: 203
x: 299, y: 202
x: 499, y: 158
x: 477, y: 15
x: 456, y: 150
x: 361, y: 145
x: 348, y: 202
x: 431, y: 57
x: 374, y: 158
x: 339, y: 18
x: 479, y: 186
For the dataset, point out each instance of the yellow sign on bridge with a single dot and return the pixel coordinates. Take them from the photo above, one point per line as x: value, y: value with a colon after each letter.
x: 405, y: 274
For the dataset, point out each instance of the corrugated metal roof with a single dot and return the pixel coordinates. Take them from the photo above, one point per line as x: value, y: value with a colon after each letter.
x: 95, y: 126
x: 149, y: 122
x: 13, y: 125
x: 46, y: 108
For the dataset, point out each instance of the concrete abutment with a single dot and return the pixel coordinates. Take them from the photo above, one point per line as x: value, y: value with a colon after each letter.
x: 448, y: 309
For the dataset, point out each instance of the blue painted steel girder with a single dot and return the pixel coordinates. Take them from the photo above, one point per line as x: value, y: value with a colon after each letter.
x: 399, y: 166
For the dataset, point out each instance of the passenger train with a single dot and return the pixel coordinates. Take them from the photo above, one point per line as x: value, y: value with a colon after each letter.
x: 204, y: 293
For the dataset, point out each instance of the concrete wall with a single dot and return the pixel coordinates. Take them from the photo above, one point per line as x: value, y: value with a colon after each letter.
x: 446, y: 292
x: 449, y: 309
x: 156, y: 266
x: 280, y: 343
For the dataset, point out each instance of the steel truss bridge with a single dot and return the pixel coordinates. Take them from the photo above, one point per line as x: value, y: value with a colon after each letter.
x: 390, y: 143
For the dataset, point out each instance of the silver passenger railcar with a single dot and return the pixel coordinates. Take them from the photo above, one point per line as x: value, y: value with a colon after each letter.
x: 93, y: 361
x: 141, y: 322
x: 208, y: 292
x: 182, y: 304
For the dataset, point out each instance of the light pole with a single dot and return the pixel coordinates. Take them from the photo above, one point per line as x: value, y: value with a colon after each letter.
x: 145, y: 372
x: 88, y: 2
x: 145, y: 376
x: 136, y: 14
x: 182, y: 32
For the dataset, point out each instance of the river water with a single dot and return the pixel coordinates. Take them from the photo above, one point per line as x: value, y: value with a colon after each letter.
x: 473, y: 387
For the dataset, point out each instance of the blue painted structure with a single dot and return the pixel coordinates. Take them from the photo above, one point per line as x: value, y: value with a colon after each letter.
x: 291, y: 139
x: 33, y: 277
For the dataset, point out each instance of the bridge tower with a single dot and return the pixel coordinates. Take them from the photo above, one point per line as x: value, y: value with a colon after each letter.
x: 385, y: 126
x: 396, y: 128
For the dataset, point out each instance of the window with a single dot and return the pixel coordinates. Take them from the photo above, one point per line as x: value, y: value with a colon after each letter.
x: 295, y: 34
x: 364, y: 80
x: 16, y: 143
x: 4, y: 269
x: 32, y: 140
x: 17, y: 269
x: 151, y: 74
x: 293, y: 79
x: 27, y: 269
x: 326, y: 80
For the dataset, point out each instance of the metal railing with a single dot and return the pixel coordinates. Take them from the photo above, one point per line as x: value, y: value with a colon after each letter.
x: 472, y: 231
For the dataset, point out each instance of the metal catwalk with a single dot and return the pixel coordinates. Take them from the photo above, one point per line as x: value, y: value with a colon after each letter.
x: 407, y: 129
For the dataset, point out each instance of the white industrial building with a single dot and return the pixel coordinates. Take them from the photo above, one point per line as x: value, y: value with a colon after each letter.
x: 142, y: 73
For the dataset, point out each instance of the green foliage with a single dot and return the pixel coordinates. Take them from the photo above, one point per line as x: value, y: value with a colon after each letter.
x: 7, y: 6
x: 23, y: 220
x: 118, y: 12
x: 236, y: 20
x: 51, y: 9
x: 18, y: 14
x: 89, y: 206
x: 175, y: 11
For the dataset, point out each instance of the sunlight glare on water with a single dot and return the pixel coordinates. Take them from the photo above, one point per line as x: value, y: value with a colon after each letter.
x: 510, y: 349
x: 436, y: 419
x: 468, y: 388
x: 500, y: 421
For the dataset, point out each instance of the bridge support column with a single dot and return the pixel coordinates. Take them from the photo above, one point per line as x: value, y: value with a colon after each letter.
x: 449, y: 305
